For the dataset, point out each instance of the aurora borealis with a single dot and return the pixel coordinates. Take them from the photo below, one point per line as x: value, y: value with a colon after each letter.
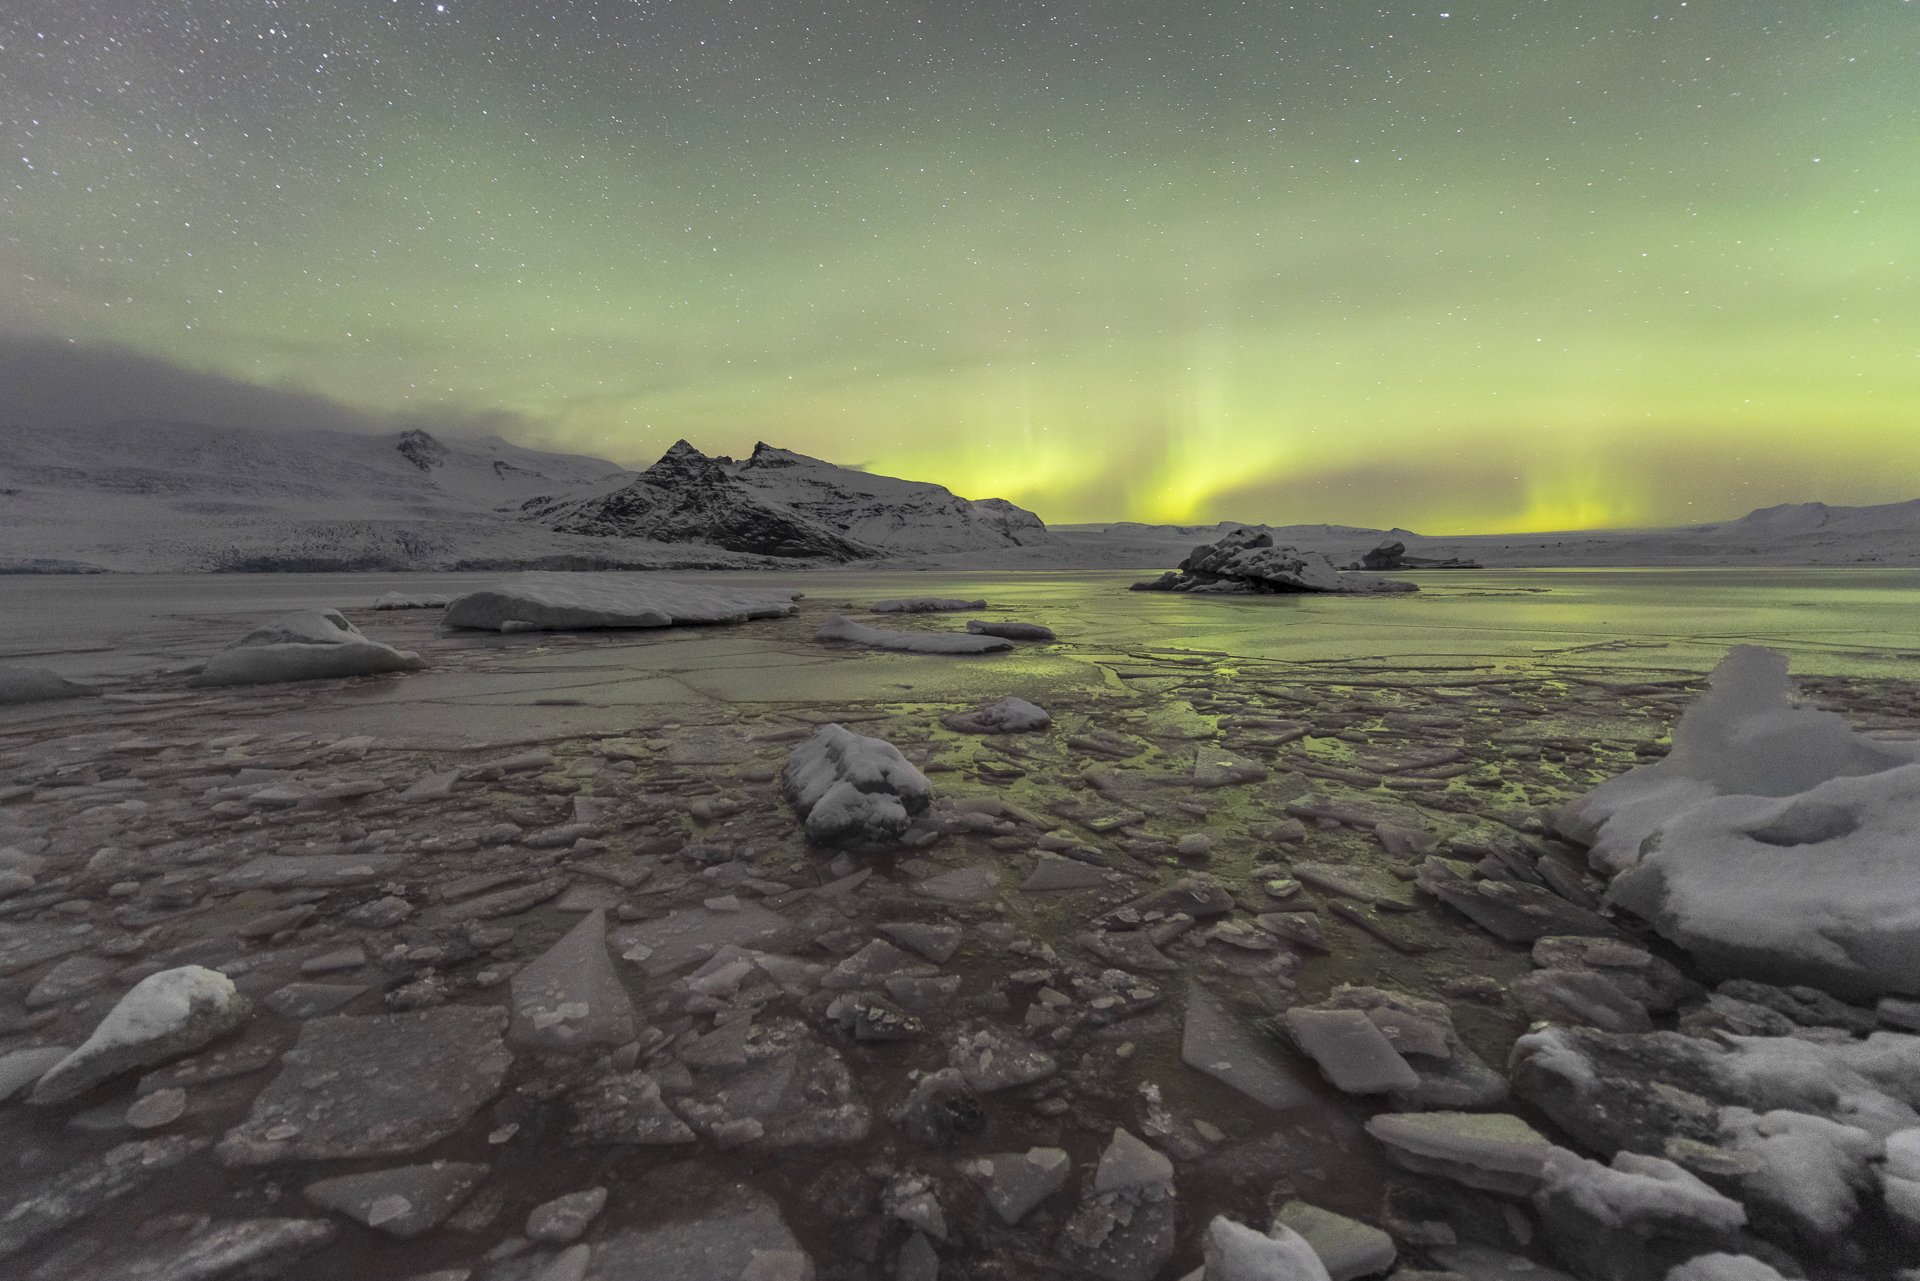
x: 1458, y: 268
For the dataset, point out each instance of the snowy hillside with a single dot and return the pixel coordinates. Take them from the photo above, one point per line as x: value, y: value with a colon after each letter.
x: 160, y: 497
x: 163, y: 497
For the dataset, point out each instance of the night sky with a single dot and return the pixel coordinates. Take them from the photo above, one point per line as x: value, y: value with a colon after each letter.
x: 1467, y: 267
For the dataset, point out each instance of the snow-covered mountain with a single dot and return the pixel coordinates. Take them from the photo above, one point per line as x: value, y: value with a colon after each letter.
x: 157, y: 497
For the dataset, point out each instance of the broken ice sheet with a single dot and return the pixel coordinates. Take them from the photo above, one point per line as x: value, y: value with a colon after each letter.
x: 694, y: 934
x: 1217, y: 1043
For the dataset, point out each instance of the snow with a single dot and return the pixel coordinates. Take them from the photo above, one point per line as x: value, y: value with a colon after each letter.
x: 164, y: 1015
x: 37, y: 685
x: 573, y: 601
x: 1724, y: 1267
x: 1774, y: 841
x: 311, y: 644
x: 851, y: 789
x: 924, y: 605
x: 1644, y: 1194
x: 1235, y: 1252
x: 837, y: 628
x: 1011, y: 715
x: 1813, y: 1170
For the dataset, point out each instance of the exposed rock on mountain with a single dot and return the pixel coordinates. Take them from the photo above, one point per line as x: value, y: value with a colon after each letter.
x: 779, y: 503
x: 881, y: 511
x: 687, y: 497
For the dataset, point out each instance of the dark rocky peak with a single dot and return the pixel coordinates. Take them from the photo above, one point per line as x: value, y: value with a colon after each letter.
x: 420, y: 449
x: 682, y: 464
x: 765, y: 455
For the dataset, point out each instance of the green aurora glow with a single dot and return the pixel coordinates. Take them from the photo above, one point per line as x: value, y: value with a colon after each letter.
x: 1456, y: 268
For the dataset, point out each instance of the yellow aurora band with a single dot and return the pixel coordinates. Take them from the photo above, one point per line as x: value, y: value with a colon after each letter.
x: 1448, y: 270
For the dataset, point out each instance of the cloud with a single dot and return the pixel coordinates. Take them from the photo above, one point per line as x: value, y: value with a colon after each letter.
x: 53, y: 381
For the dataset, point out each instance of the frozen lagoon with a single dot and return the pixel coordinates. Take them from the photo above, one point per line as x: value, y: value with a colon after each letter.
x: 1543, y: 682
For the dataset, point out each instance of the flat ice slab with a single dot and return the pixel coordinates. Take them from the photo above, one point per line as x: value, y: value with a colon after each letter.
x: 568, y: 602
x: 313, y: 644
x: 841, y: 629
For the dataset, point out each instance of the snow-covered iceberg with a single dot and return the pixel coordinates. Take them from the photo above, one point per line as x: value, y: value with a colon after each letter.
x: 313, y: 644
x: 1773, y: 841
x: 567, y: 602
x: 853, y: 790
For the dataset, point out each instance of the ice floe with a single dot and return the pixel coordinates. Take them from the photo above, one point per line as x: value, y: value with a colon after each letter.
x: 570, y: 602
x: 313, y: 644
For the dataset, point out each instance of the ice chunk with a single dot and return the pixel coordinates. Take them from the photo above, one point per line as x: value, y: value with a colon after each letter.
x: 871, y: 966
x: 1900, y: 1178
x: 1807, y: 889
x: 564, y: 1219
x: 569, y: 998
x: 1129, y: 1163
x: 1017, y: 1182
x: 850, y: 789
x: 624, y: 1108
x: 1235, y: 1252
x: 1008, y: 716
x: 86, y: 1187
x: 1065, y: 874
x: 935, y: 942
x: 1724, y: 1267
x: 404, y: 1201
x: 729, y: 1241
x: 1813, y: 1170
x: 836, y: 628
x: 1643, y: 1194
x: 925, y: 605
x: 401, y: 600
x: 570, y: 602
x: 1010, y: 631
x: 1347, y: 1248
x: 694, y: 934
x: 992, y: 1060
x: 1215, y: 1043
x: 313, y: 644
x: 37, y: 685
x: 1770, y: 838
x: 353, y: 1087
x: 1580, y: 996
x: 1218, y: 767
x: 1491, y: 1150
x: 1353, y: 1052
x: 21, y: 1068
x: 165, y: 1016
x: 962, y: 885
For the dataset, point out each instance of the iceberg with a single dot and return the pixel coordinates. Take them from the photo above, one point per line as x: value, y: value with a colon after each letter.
x: 313, y: 644
x: 1773, y: 842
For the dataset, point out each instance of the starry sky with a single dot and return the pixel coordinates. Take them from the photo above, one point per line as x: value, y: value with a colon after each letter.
x: 1454, y: 267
